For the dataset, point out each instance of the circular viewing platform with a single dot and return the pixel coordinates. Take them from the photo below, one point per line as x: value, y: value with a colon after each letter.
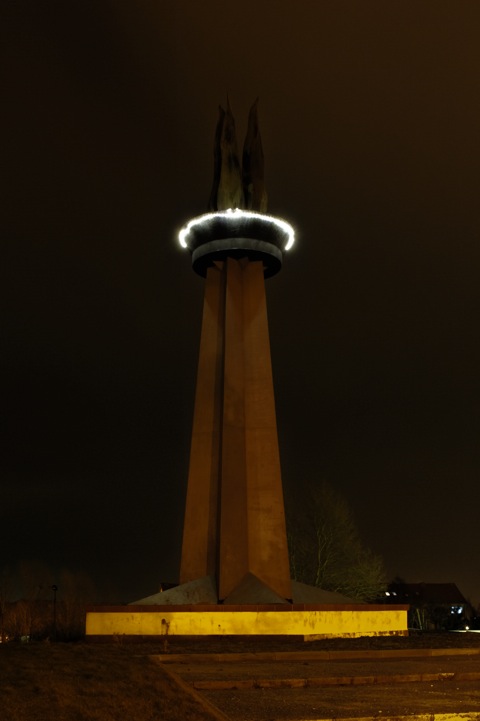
x: 237, y: 233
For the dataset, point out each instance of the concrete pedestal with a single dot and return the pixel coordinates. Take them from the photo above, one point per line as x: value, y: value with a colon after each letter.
x: 307, y: 621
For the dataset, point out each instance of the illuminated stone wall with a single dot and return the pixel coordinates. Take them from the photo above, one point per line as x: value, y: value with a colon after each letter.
x: 323, y: 621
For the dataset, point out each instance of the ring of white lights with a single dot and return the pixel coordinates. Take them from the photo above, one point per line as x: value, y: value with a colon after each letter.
x: 237, y: 233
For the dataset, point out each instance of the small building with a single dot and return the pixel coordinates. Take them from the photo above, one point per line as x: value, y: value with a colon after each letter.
x: 433, y: 606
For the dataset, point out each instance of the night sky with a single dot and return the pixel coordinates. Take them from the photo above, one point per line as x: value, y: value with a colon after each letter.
x: 370, y: 119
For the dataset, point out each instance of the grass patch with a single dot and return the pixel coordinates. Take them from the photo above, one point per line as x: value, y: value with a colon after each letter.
x: 84, y: 682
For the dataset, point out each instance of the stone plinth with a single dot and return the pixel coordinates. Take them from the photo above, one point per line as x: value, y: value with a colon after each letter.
x: 307, y: 621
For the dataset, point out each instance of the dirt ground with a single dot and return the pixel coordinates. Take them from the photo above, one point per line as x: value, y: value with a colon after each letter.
x: 306, y: 683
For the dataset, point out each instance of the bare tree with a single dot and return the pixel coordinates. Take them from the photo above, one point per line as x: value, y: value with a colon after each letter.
x: 39, y: 611
x: 34, y: 580
x: 325, y: 546
x: 75, y: 591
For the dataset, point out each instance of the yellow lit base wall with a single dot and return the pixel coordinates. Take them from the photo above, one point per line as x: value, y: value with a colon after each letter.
x: 320, y: 621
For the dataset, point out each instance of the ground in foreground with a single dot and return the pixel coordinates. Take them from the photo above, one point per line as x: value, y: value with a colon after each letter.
x: 45, y: 681
x: 114, y: 681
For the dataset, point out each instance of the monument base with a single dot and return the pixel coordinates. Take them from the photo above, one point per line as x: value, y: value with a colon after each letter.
x: 308, y: 621
x: 192, y: 609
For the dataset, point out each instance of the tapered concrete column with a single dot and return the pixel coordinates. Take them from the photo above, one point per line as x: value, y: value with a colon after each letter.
x: 233, y: 548
x: 200, y: 532
x: 234, y: 521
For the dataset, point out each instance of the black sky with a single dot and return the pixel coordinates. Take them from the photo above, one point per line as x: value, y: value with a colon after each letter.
x: 370, y: 117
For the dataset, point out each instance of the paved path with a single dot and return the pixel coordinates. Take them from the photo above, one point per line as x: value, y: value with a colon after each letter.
x: 312, y: 685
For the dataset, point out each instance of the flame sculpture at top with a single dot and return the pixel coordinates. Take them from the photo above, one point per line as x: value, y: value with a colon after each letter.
x: 235, y: 186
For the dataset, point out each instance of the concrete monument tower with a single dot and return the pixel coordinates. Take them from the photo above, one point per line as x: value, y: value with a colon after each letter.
x: 234, y: 529
x: 234, y: 575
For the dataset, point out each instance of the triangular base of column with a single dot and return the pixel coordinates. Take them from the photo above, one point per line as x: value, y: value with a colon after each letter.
x: 249, y: 592
x: 201, y: 591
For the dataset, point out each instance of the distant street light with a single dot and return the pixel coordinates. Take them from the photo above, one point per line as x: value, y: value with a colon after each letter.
x: 54, y: 589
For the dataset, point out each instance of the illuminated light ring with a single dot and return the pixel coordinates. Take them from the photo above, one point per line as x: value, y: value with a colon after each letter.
x: 237, y: 233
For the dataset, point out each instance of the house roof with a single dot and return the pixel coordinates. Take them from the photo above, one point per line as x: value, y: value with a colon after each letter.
x: 425, y: 593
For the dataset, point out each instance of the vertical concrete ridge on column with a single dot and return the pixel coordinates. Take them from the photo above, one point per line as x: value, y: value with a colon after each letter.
x: 200, y: 530
x: 233, y: 549
x: 267, y: 536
